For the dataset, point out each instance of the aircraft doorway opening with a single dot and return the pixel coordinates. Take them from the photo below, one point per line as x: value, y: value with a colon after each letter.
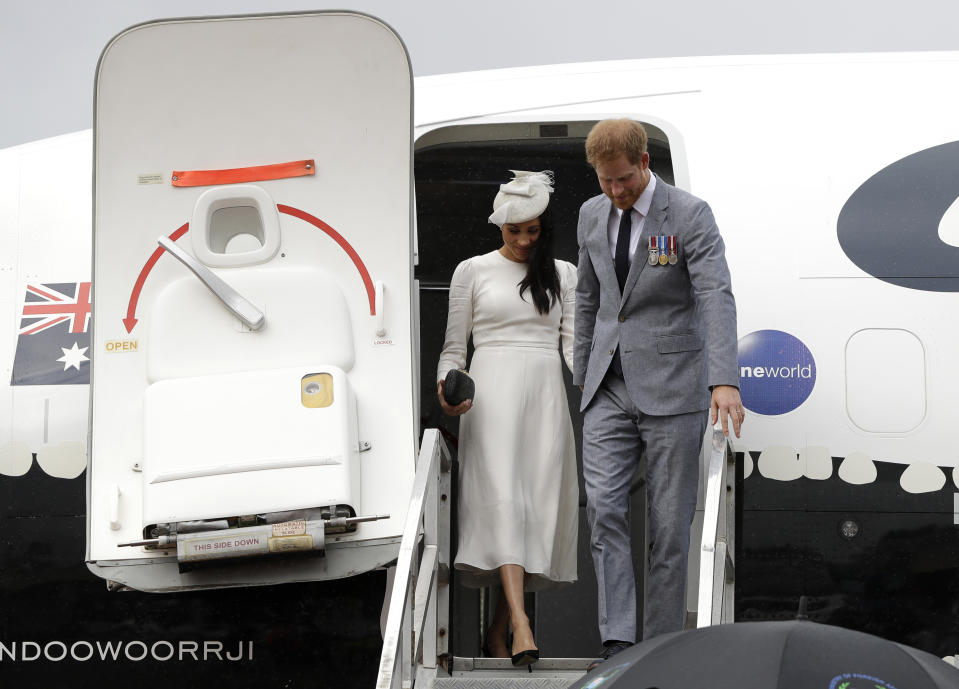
x: 458, y: 170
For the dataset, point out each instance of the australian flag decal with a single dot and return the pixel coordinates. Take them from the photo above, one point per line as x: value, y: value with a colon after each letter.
x: 53, y: 347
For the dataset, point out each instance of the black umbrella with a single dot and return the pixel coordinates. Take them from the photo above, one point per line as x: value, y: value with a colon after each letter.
x: 771, y: 655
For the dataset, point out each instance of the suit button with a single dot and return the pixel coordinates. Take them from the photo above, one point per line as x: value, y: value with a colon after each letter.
x: 611, y: 352
x: 622, y: 319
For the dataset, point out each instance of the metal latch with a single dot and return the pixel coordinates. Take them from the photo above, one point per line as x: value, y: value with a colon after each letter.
x: 239, y: 306
x: 298, y: 536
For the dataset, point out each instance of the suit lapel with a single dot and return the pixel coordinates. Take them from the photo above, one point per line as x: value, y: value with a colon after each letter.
x: 599, y: 246
x: 652, y: 226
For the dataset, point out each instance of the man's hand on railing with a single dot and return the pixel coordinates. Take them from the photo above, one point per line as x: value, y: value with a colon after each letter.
x: 726, y: 405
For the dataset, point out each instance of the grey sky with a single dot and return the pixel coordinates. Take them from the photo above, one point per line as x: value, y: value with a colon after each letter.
x: 49, y: 48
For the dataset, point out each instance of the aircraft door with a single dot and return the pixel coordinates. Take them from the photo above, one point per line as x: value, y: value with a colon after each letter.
x: 252, y: 394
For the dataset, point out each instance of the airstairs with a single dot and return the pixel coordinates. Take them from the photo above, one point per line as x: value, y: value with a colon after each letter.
x: 416, y: 648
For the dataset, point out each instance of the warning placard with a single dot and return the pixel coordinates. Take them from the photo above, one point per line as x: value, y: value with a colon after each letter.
x: 222, y: 546
x: 288, y: 544
x: 294, y: 528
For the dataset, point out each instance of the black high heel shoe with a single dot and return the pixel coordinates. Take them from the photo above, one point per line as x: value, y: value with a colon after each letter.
x: 525, y: 658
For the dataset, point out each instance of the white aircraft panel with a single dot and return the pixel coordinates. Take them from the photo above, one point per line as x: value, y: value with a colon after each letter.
x: 9, y: 221
x: 54, y: 233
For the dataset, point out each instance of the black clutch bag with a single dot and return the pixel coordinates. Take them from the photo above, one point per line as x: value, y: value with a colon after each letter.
x: 458, y: 386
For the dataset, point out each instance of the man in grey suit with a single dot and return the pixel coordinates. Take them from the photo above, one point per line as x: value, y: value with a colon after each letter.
x: 655, y: 346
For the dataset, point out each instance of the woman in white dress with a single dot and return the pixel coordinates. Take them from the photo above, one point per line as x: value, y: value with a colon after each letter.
x: 519, y: 495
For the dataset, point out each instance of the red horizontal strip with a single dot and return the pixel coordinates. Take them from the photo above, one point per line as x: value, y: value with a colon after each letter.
x: 257, y: 173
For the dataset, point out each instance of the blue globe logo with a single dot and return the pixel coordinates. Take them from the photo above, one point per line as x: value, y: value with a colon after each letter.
x: 777, y: 372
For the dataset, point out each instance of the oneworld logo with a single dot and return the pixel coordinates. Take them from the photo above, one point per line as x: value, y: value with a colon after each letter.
x: 777, y: 372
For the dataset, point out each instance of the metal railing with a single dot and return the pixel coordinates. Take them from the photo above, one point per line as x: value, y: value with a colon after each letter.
x: 416, y: 639
x: 716, y: 567
x: 417, y: 624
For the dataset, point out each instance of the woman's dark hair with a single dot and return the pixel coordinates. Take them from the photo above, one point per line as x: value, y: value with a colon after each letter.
x: 541, y: 278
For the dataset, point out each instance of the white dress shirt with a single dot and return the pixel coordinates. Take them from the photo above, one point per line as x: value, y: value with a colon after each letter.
x: 641, y: 208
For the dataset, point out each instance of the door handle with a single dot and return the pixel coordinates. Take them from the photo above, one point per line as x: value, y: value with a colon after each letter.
x: 239, y: 306
x: 380, y: 302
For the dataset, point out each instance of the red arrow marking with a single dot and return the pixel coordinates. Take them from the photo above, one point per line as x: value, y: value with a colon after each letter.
x: 345, y: 245
x: 130, y: 321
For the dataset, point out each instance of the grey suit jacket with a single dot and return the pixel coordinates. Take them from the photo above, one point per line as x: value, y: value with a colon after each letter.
x: 675, y: 325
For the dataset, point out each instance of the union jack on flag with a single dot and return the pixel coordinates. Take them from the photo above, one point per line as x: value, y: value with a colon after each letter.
x: 53, y: 346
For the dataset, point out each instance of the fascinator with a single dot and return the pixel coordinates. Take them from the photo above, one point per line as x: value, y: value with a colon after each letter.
x: 523, y: 198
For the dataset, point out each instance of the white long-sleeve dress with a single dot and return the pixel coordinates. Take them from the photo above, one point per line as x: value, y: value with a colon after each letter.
x: 519, y: 495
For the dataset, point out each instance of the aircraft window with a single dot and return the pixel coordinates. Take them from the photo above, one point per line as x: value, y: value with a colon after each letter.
x: 884, y: 364
x: 235, y: 229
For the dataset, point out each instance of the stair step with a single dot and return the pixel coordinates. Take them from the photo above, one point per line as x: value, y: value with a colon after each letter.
x: 491, y: 673
x: 523, y: 681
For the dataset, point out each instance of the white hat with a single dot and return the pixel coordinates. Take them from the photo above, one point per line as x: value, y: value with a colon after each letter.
x: 524, y: 198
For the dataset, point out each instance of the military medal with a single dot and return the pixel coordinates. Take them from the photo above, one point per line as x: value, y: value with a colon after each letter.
x: 663, y: 258
x: 653, y: 251
x: 673, y: 255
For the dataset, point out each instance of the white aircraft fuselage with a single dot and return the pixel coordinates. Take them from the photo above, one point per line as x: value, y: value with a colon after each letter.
x: 835, y: 183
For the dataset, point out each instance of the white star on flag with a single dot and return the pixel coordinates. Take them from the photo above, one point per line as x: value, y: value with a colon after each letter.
x: 73, y: 356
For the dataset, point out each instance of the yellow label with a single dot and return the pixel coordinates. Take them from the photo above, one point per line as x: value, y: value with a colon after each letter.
x: 121, y: 345
x: 316, y: 390
x: 289, y: 544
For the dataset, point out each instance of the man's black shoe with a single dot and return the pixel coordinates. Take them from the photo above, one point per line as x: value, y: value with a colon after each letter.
x: 610, y: 648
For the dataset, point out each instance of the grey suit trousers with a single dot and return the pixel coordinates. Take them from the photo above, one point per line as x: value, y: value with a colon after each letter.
x: 615, y: 434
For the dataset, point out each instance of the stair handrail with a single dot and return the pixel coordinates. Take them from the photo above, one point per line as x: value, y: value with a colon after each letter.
x: 416, y: 634
x: 716, y: 566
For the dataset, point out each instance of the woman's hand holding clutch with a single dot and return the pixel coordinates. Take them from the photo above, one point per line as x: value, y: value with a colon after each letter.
x: 452, y: 410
